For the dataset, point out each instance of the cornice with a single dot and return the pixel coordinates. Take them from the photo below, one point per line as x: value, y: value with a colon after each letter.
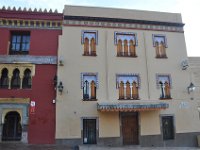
x: 122, y: 23
x: 24, y: 23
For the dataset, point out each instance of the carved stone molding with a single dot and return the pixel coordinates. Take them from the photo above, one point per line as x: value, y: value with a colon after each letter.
x: 12, y: 59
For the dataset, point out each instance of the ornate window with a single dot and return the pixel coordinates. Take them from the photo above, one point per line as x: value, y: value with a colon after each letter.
x: 27, y: 81
x: 15, y: 81
x: 160, y: 44
x: 20, y: 43
x: 164, y: 84
x: 4, y: 81
x: 126, y: 43
x: 89, y: 40
x: 89, y: 84
x: 128, y: 86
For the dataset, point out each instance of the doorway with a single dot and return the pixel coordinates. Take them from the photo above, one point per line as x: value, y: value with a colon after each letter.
x: 89, y: 131
x: 130, y: 129
x: 12, y: 129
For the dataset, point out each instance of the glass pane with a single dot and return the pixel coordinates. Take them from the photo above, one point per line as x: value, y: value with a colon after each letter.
x: 18, y: 38
x: 13, y: 47
x: 17, y: 47
x: 14, y: 38
x: 25, y: 38
x: 25, y: 47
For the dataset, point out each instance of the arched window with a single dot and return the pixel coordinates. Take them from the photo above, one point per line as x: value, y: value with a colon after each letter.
x: 128, y: 90
x: 86, y: 46
x: 125, y: 48
x: 160, y: 44
x: 93, y: 89
x: 121, y: 90
x: 162, y: 49
x: 157, y: 49
x: 93, y: 47
x: 4, y: 78
x: 164, y: 83
x: 167, y: 90
x: 132, y: 48
x: 128, y: 86
x: 119, y: 47
x: 27, y: 82
x: 135, y: 94
x: 86, y: 90
x: 15, y: 81
x: 89, y: 85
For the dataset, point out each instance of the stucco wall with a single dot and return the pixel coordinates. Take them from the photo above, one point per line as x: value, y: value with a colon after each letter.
x: 70, y: 105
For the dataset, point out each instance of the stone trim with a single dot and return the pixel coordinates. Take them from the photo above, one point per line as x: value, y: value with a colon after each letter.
x: 131, y: 107
x: 14, y: 59
x: 36, y: 24
x: 15, y: 100
x: 122, y: 23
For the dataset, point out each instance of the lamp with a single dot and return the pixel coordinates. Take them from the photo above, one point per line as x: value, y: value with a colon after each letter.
x: 61, y: 62
x: 191, y: 88
x: 60, y: 87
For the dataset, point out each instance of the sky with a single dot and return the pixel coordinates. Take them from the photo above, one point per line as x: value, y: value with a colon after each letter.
x: 188, y: 8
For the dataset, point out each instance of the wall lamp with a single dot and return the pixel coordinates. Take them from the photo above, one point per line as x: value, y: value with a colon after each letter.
x: 60, y: 87
x: 191, y: 88
x: 61, y: 63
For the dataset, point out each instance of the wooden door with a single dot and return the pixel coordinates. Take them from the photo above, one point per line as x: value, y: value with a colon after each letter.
x: 130, y: 129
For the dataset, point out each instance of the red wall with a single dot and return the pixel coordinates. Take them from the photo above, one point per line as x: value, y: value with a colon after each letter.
x: 41, y: 128
x: 42, y: 42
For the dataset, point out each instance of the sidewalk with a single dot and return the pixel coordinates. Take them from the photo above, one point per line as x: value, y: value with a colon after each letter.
x: 93, y: 147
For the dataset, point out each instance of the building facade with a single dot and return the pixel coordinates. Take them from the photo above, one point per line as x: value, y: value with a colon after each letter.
x: 121, y: 79
x: 28, y: 58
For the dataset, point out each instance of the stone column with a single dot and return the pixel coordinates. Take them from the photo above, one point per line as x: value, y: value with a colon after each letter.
x: 24, y: 134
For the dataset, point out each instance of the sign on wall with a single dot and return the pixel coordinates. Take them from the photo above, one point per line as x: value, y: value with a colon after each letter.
x: 32, y: 108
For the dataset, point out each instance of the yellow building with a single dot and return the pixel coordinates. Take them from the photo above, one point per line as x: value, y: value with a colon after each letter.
x: 123, y: 80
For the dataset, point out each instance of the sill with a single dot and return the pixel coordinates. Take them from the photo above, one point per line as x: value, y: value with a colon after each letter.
x: 129, y: 99
x: 127, y: 56
x: 166, y: 98
x: 26, y: 88
x: 89, y: 99
x: 94, y: 55
x: 18, y: 53
x: 164, y: 57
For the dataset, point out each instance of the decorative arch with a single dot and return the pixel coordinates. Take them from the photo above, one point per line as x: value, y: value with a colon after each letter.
x: 93, y: 47
x: 27, y: 80
x: 125, y: 47
x: 6, y: 74
x: 15, y: 81
x: 119, y: 47
x: 12, y: 127
x: 4, y: 80
x: 132, y: 48
x: 86, y: 46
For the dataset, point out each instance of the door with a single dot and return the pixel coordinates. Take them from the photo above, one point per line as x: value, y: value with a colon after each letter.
x: 89, y: 131
x: 12, y: 130
x: 130, y: 128
x: 168, y: 127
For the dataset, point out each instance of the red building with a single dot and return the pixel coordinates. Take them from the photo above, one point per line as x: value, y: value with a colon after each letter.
x: 28, y: 65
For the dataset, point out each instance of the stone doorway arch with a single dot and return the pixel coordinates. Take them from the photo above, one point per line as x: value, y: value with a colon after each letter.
x: 12, y: 128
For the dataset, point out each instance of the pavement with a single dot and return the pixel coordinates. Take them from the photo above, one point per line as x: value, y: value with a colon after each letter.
x: 18, y: 146
x: 93, y: 147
